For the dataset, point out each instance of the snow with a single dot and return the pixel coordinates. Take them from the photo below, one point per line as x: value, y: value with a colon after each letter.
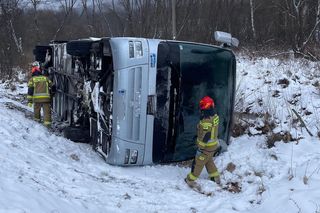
x: 260, y: 91
x: 44, y: 172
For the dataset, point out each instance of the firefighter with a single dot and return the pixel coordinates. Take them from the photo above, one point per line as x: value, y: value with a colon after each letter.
x: 39, y: 89
x: 207, y: 143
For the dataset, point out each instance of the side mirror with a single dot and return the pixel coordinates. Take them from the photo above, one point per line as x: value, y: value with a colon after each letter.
x: 226, y: 39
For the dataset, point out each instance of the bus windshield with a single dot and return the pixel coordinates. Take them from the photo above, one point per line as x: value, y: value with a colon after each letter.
x: 189, y: 72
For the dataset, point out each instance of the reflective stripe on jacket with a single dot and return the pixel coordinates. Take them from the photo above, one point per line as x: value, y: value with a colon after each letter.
x: 39, y: 89
x: 208, y: 133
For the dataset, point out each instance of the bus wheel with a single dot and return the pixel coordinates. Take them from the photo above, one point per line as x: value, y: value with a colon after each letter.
x: 40, y: 53
x: 79, y: 48
x: 79, y: 135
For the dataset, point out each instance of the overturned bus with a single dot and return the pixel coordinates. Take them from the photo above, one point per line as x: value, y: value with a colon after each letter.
x: 135, y: 100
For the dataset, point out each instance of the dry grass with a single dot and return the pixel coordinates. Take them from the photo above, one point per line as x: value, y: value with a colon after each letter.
x: 275, y: 137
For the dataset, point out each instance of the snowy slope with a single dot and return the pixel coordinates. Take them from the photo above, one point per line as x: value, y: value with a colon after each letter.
x: 42, y: 172
x: 276, y: 87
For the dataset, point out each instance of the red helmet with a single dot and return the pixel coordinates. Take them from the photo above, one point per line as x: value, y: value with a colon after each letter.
x: 206, y: 103
x: 35, y: 69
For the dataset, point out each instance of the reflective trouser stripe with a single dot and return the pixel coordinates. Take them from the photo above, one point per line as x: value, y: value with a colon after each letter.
x: 214, y: 174
x: 47, y: 123
x: 192, y: 177
x: 213, y: 143
x: 40, y: 96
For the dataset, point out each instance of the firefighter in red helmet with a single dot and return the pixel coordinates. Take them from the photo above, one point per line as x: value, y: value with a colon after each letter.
x: 207, y: 142
x: 39, y: 94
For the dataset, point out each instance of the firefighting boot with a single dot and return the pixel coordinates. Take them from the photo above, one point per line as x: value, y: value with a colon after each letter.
x: 216, y: 179
x: 193, y: 184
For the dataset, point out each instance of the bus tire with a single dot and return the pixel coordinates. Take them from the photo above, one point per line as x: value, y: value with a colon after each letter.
x: 79, y: 48
x: 77, y: 134
x: 40, y: 53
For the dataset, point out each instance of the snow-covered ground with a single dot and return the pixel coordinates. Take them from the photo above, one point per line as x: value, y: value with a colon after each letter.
x: 277, y: 87
x: 42, y: 172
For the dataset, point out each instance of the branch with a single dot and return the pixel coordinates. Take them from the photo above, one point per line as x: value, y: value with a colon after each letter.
x: 283, y: 53
x: 18, y: 44
x: 308, y: 55
x: 186, y: 18
x: 286, y: 10
x: 85, y: 10
x: 302, y: 122
x: 310, y: 35
x: 104, y: 17
x: 295, y: 203
x: 68, y: 8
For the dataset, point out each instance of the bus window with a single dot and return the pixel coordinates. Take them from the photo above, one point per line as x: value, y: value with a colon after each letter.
x: 194, y: 71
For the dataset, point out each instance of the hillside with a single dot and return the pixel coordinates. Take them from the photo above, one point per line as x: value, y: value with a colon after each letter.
x: 272, y: 163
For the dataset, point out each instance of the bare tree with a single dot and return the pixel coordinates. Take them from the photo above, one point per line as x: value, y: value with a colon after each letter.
x: 187, y: 7
x: 299, y: 24
x: 35, y: 4
x: 104, y: 14
x: 128, y: 9
x: 9, y: 16
x: 10, y: 43
x: 304, y: 32
x: 277, y: 24
x: 89, y: 16
x: 252, y: 19
x: 317, y: 33
x: 67, y: 6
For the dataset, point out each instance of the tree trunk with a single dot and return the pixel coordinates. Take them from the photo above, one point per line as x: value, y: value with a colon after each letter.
x: 317, y: 33
x: 68, y: 7
x: 35, y: 4
x: 174, y: 26
x: 252, y: 20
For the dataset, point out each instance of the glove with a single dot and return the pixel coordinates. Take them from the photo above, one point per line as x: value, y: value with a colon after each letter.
x: 30, y: 104
x: 217, y: 151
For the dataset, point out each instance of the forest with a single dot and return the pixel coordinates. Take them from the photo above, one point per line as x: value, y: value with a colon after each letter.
x: 275, y: 27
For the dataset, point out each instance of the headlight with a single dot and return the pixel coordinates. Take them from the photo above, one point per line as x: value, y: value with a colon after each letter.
x: 133, y: 156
